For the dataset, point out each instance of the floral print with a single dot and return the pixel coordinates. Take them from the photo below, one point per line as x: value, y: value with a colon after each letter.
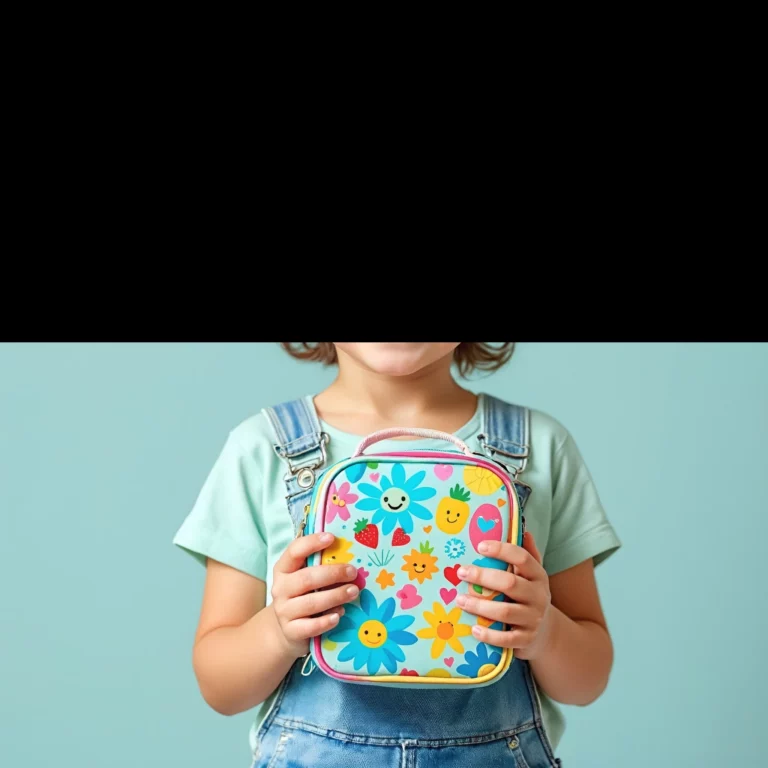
x: 396, y: 500
x: 373, y: 633
x: 339, y: 501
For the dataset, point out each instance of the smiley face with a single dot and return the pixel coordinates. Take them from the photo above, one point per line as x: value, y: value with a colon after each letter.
x: 420, y: 565
x: 453, y: 511
x: 372, y: 634
x: 451, y: 521
x: 395, y: 500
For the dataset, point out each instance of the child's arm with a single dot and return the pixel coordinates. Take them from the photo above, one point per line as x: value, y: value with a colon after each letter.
x: 557, y: 624
x: 242, y: 649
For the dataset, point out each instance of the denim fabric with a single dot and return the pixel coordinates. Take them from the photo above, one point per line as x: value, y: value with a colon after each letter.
x: 316, y: 720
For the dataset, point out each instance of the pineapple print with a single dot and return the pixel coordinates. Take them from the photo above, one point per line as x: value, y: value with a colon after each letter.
x: 453, y: 511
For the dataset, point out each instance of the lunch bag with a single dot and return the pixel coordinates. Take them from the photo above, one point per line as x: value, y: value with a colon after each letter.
x: 407, y: 520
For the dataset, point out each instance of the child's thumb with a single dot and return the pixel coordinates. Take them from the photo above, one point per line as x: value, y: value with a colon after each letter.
x: 529, y: 545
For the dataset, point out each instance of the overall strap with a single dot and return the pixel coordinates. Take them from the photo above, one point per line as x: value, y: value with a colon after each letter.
x: 505, y: 438
x: 300, y: 442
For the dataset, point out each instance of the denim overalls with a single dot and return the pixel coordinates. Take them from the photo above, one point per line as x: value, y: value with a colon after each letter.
x: 316, y: 720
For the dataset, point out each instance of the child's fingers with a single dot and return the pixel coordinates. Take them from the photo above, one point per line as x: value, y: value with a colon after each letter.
x: 507, y: 613
x: 529, y: 544
x: 525, y: 563
x: 313, y: 577
x: 301, y: 629
x: 513, y: 586
x: 517, y: 638
x: 297, y: 552
x: 319, y: 602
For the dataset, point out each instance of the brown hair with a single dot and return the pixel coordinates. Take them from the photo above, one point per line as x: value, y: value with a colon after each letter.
x: 469, y: 356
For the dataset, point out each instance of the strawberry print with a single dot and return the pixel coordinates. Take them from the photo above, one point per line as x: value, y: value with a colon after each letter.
x: 400, y: 538
x: 366, y: 533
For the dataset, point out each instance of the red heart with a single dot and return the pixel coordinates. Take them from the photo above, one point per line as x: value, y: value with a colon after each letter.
x: 452, y: 575
x: 409, y: 672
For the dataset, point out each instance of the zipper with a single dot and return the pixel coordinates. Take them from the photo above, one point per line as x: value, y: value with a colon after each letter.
x: 303, y: 521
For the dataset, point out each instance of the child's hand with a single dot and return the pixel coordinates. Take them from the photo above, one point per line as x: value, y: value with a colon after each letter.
x: 301, y: 612
x: 528, y: 586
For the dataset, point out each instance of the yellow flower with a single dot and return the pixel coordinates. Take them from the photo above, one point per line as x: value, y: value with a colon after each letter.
x: 438, y: 673
x: 444, y: 628
x: 338, y: 552
x: 385, y: 579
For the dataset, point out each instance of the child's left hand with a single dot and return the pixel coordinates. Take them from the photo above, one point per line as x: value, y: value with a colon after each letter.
x: 528, y: 586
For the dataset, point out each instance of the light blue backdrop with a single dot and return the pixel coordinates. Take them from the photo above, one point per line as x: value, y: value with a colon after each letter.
x: 103, y: 449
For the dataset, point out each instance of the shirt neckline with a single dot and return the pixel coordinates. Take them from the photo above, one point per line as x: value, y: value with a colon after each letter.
x: 467, y: 430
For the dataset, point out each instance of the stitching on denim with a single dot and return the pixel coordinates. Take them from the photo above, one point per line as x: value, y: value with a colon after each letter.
x: 517, y: 753
x: 285, y: 737
x: 533, y: 692
x: 276, y: 425
x: 384, y: 741
x: 506, y: 442
x: 311, y: 414
x: 313, y: 440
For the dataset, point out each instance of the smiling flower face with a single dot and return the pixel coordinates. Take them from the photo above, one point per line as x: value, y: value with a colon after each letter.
x: 374, y: 634
x: 420, y: 565
x: 444, y: 628
x: 396, y: 500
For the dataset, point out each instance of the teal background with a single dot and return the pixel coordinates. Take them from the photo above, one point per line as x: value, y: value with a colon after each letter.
x: 103, y: 448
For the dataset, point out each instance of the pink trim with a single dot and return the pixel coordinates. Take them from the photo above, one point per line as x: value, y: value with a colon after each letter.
x: 433, y: 434
x: 440, y: 455
x: 324, y: 665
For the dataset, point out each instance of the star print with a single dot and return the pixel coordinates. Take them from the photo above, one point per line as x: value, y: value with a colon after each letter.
x: 385, y: 579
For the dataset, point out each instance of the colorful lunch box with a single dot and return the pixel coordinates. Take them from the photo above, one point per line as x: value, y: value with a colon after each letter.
x: 407, y: 520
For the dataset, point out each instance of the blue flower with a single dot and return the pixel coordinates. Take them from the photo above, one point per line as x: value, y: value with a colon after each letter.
x: 396, y: 500
x: 454, y: 548
x: 480, y: 663
x: 374, y: 634
x: 355, y: 471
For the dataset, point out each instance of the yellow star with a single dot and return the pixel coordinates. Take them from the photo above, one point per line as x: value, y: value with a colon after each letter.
x: 385, y: 579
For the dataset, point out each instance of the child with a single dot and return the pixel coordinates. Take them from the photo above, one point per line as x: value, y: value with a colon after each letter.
x: 261, y: 604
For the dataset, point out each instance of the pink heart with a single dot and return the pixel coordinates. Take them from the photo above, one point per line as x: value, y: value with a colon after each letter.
x: 362, y: 575
x: 448, y: 595
x: 443, y: 471
x: 448, y: 661
x: 375, y: 476
x: 408, y: 597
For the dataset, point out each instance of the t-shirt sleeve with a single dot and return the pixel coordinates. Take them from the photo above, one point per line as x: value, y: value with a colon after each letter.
x: 580, y: 528
x: 224, y: 522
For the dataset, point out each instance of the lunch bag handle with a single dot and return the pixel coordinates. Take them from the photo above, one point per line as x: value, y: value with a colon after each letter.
x: 384, y: 434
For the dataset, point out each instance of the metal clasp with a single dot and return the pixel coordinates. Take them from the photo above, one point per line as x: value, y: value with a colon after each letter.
x: 305, y: 476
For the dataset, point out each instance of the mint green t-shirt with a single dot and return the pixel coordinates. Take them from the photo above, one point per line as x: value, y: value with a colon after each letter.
x: 240, y: 517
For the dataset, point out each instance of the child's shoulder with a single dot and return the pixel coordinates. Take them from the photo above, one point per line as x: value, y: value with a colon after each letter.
x: 253, y: 435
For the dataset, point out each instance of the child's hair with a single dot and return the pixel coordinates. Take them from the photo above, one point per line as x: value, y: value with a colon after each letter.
x: 468, y: 356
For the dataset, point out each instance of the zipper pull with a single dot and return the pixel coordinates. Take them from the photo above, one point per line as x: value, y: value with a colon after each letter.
x: 303, y: 521
x: 307, y: 658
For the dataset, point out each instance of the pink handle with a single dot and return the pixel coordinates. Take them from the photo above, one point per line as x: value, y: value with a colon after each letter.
x: 384, y: 434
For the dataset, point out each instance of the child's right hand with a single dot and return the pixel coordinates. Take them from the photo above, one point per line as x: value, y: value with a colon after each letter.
x: 295, y: 603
